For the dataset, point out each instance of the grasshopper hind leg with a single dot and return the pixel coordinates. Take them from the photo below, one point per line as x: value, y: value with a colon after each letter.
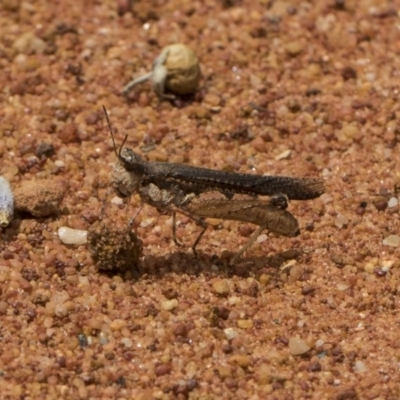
x: 249, y: 243
x: 177, y: 242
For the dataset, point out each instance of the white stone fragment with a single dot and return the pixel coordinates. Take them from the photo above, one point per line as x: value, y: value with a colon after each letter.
x: 284, y: 155
x: 126, y: 342
x: 326, y: 198
x: 386, y: 265
x: 392, y: 240
x: 231, y: 333
x: 169, y: 305
x: 146, y: 222
x: 359, y: 366
x: 117, y: 200
x: 341, y: 221
x: 59, y: 164
x: 72, y: 236
x: 262, y: 238
x: 393, y: 202
x: 342, y: 286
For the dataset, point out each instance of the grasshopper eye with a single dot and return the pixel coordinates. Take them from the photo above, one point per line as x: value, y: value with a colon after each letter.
x: 131, y: 161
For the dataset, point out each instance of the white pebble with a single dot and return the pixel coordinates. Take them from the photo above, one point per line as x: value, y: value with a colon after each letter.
x: 284, y: 155
x: 59, y: 164
x: 117, y: 200
x: 393, y: 202
x: 391, y: 240
x: 146, y: 222
x: 262, y: 238
x: 359, y: 366
x: 386, y: 265
x: 168, y: 305
x: 326, y: 198
x: 370, y: 76
x: 103, y: 338
x: 72, y: 236
x: 230, y: 333
x: 342, y: 286
x: 6, y: 203
x: 341, y: 221
x: 126, y: 342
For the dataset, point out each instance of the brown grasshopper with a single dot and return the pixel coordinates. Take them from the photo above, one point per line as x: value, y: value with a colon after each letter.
x: 179, y: 188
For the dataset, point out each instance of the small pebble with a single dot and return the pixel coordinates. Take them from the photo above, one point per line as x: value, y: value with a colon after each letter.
x: 59, y: 164
x: 342, y: 287
x: 169, y: 305
x: 103, y: 338
x: 284, y: 155
x: 127, y: 342
x: 392, y: 241
x: 241, y: 360
x: 314, y: 367
x: 72, y: 236
x: 231, y: 333
x: 69, y: 134
x: 359, y: 366
x: 350, y: 131
x: 163, y: 369
x: 369, y: 267
x: 40, y: 198
x: 380, y: 203
x: 341, y: 221
x: 298, y: 346
x: 44, y: 150
x: 124, y: 6
x: 294, y: 48
x: 393, y: 202
x: 29, y: 43
x: 117, y: 201
x: 262, y: 238
x: 83, y: 341
x: 386, y: 265
x: 245, y: 323
x: 221, y: 287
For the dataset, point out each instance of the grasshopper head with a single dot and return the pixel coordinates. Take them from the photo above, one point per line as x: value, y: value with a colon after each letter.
x: 128, y: 172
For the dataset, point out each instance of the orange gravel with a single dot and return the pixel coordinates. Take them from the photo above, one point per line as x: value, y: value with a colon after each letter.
x: 288, y: 88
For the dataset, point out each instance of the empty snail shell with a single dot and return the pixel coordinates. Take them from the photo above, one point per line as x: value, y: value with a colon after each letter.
x: 6, y: 203
x: 175, y: 70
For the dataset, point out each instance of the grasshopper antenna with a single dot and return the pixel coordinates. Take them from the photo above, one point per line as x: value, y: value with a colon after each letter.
x: 118, y: 154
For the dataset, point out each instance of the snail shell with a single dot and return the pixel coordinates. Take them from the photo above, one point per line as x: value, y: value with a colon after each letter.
x: 6, y: 203
x: 176, y: 69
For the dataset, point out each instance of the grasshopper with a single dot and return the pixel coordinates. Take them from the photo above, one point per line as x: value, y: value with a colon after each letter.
x: 179, y: 188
